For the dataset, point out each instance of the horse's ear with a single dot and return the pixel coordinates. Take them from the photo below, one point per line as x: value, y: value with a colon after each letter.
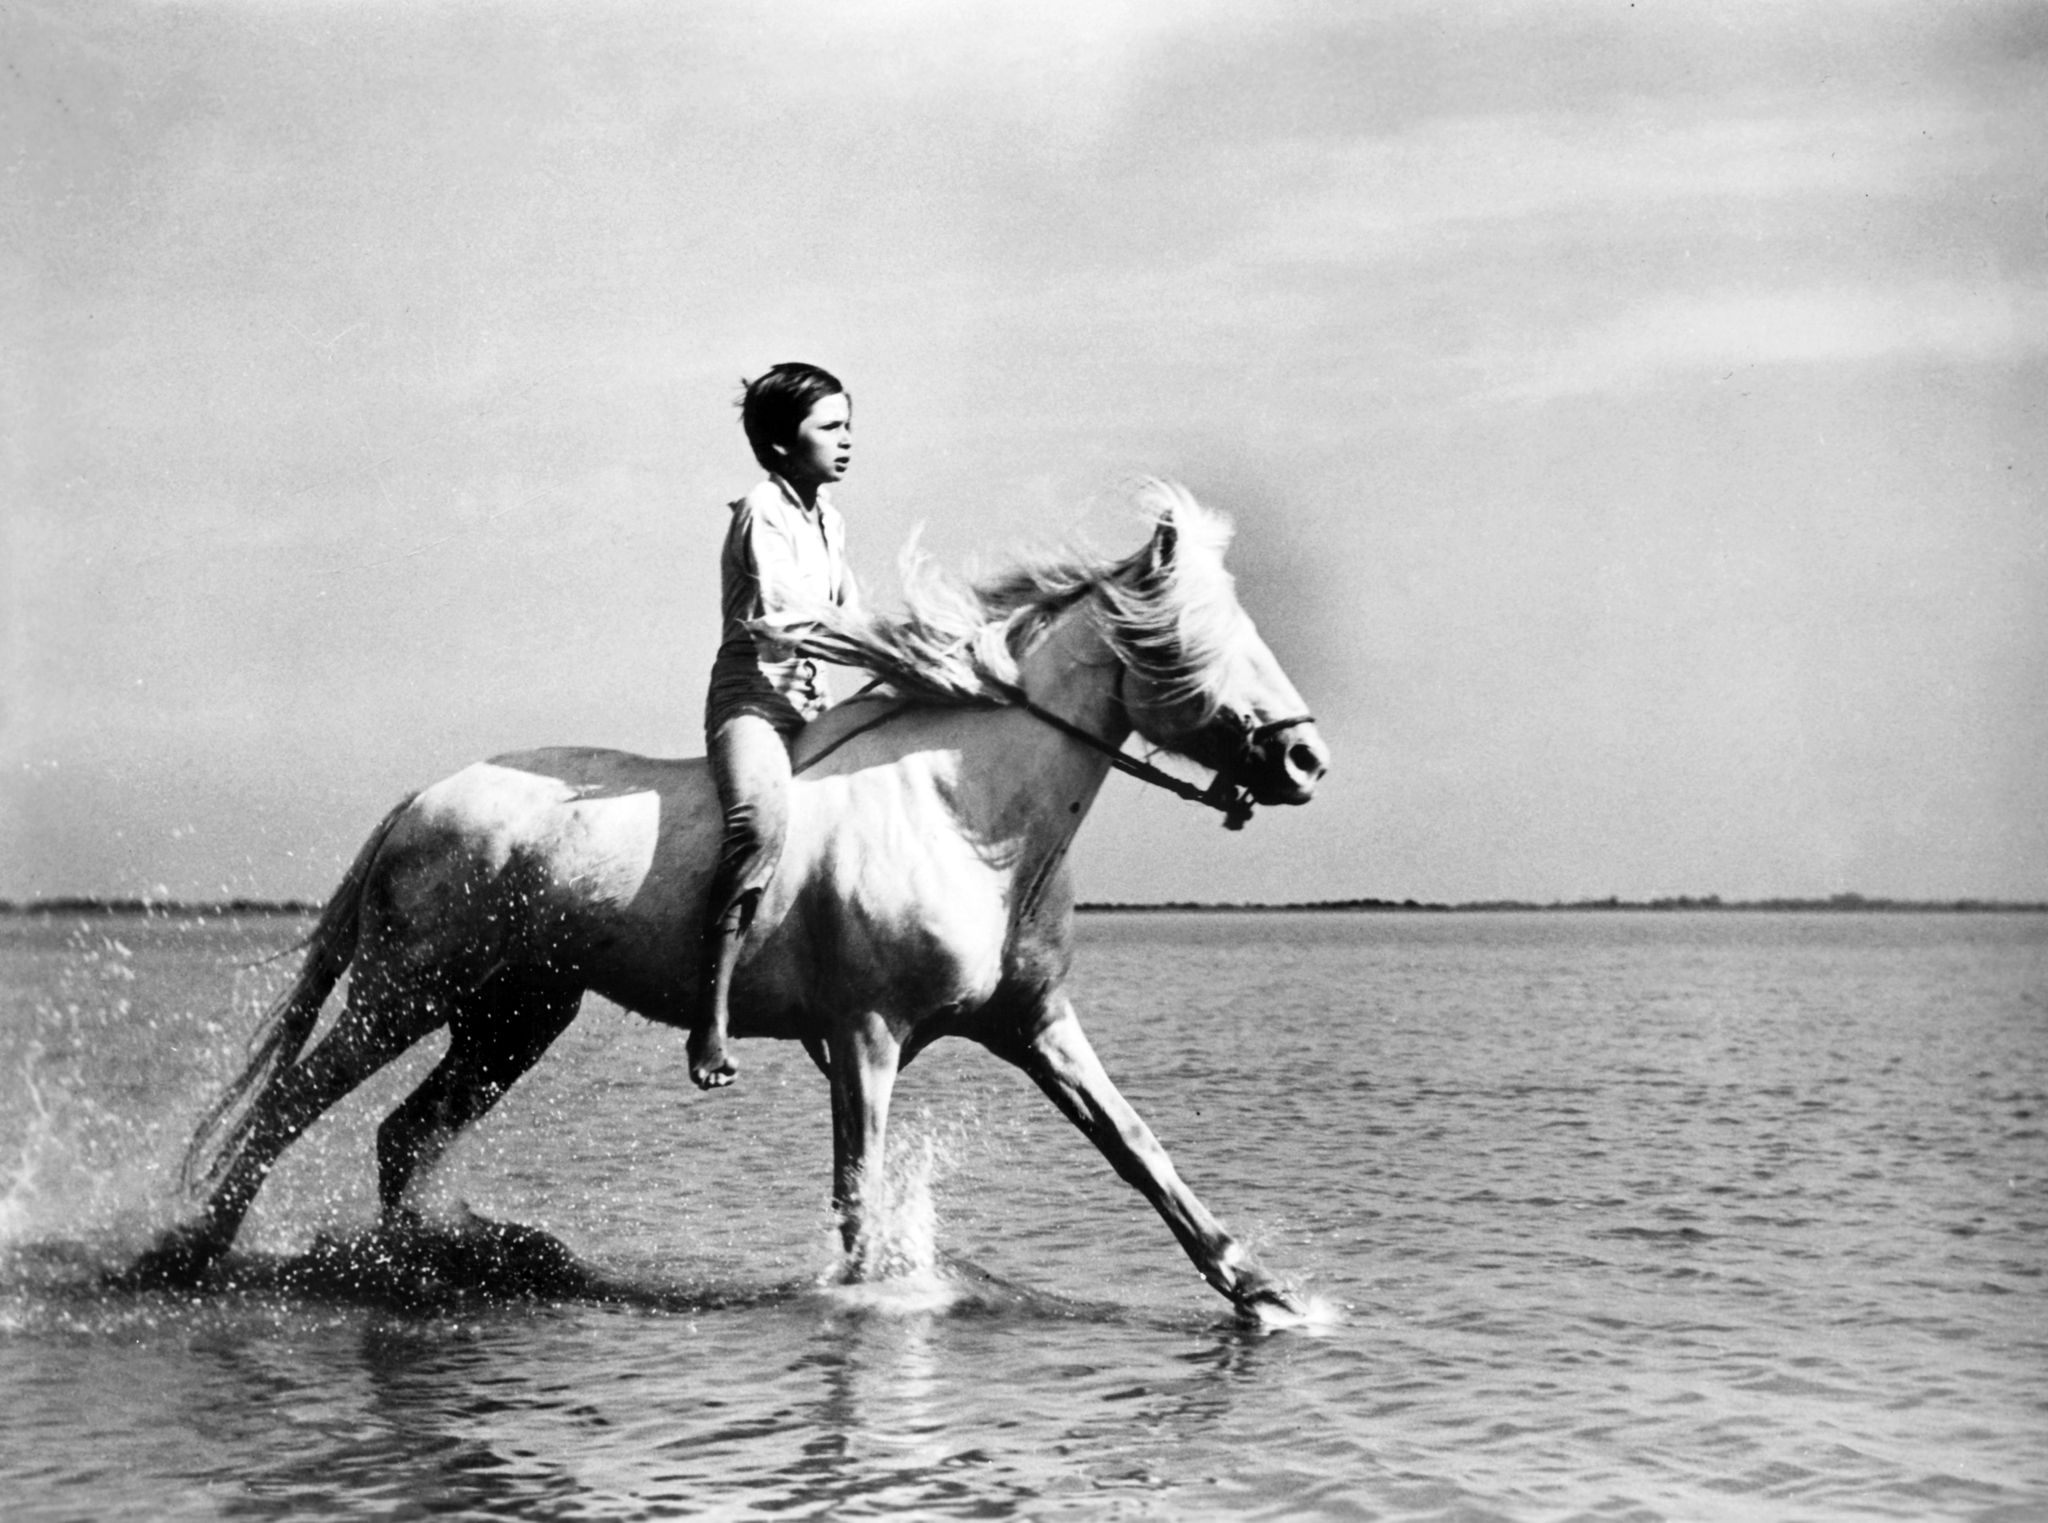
x: 1165, y: 540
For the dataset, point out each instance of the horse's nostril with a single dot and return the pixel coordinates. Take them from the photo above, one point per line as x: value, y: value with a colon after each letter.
x: 1303, y: 759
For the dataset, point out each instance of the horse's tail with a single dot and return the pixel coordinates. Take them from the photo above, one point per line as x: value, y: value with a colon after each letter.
x: 290, y: 1020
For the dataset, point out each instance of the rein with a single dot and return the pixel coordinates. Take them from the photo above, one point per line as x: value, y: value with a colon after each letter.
x: 1222, y: 794
x: 1225, y: 794
x: 889, y: 712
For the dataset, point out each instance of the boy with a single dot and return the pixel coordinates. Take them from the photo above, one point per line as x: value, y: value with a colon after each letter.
x: 785, y: 540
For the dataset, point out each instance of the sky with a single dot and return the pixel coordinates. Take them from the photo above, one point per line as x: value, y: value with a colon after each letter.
x: 1635, y: 416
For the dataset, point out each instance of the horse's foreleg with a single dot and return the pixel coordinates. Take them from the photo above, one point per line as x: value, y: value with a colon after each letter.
x: 820, y: 1053
x: 863, y: 1059
x: 1058, y: 1056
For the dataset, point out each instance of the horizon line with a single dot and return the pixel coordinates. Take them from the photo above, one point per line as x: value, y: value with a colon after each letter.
x: 61, y: 904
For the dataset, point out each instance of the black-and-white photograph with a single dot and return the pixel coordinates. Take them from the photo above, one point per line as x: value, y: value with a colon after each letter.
x: 1081, y: 760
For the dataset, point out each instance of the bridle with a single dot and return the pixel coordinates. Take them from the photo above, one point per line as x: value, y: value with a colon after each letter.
x: 1227, y: 792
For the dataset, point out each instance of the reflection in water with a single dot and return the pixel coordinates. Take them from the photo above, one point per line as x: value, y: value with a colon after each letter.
x: 875, y: 1426
x: 429, y: 1400
x: 377, y: 1415
x: 1595, y: 1194
x: 881, y: 1385
x: 903, y: 1421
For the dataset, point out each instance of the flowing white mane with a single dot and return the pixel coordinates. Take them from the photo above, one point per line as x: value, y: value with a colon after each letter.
x: 1171, y: 616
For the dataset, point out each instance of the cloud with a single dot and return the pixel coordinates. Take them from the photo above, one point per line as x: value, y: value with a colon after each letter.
x: 1724, y: 331
x: 1417, y: 192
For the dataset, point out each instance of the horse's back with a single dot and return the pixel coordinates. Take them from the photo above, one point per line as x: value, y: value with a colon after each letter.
x: 595, y: 863
x: 569, y: 857
x: 578, y: 809
x: 595, y: 771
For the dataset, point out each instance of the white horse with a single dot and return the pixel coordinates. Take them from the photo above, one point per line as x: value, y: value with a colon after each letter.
x: 922, y: 893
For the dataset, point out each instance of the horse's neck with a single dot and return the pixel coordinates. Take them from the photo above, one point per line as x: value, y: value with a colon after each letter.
x: 1044, y: 780
x: 1015, y: 786
x: 1072, y: 672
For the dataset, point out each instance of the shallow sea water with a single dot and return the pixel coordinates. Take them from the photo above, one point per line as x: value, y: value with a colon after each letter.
x: 1603, y: 1216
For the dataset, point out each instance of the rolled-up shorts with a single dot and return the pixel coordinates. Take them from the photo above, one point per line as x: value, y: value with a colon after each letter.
x: 750, y: 765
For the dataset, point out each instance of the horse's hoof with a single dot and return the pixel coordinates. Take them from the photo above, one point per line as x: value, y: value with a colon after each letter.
x: 399, y: 1223
x: 1277, y: 1304
x: 714, y: 1075
x: 419, y: 1260
x: 1261, y: 1298
x: 182, y: 1258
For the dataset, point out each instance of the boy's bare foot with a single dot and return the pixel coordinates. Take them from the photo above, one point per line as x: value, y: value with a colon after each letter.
x: 710, y: 1068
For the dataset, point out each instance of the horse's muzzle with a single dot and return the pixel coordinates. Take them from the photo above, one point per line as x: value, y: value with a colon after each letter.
x: 1287, y: 764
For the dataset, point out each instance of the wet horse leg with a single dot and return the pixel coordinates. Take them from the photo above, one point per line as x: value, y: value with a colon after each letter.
x: 1058, y: 1056
x: 846, y: 1124
x: 863, y: 1061
x: 498, y: 1035
x: 379, y: 1022
x: 820, y: 1053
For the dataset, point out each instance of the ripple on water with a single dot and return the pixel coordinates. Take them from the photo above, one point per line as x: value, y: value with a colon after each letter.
x: 1686, y: 1216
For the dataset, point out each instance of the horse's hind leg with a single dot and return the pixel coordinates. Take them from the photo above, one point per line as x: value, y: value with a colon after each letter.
x: 380, y: 1022
x: 494, y: 1038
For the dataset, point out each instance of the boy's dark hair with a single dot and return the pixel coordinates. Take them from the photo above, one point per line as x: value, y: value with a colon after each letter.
x: 775, y: 403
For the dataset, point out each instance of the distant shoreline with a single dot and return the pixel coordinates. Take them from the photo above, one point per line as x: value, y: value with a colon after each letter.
x: 167, y: 908
x: 1835, y: 904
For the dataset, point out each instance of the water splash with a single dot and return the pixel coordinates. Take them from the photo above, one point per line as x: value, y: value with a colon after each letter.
x: 894, y: 1265
x: 17, y: 1205
x: 81, y: 1175
x: 899, y: 1237
x: 90, y: 1127
x: 1318, y: 1315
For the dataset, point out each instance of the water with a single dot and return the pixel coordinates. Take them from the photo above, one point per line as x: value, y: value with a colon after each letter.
x: 1615, y: 1216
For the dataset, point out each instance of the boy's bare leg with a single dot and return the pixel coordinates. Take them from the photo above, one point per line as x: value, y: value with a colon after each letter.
x: 711, y: 1067
x: 750, y: 767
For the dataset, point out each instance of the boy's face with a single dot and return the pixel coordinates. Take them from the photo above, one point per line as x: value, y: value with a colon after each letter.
x: 823, y: 447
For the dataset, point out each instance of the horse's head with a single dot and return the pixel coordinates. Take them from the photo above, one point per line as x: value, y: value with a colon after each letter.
x: 1198, y: 679
x: 1193, y: 676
